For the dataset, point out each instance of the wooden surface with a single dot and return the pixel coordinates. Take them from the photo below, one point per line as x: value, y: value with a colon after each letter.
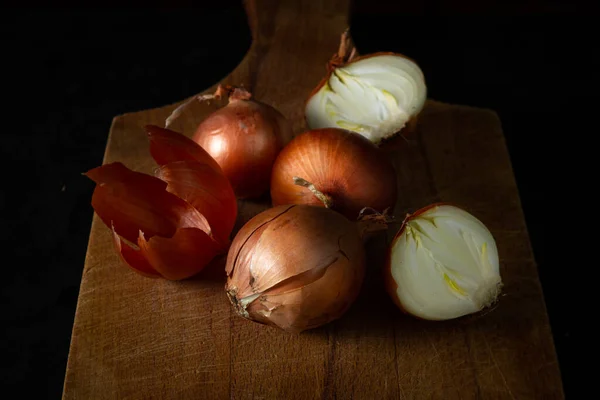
x: 137, y: 338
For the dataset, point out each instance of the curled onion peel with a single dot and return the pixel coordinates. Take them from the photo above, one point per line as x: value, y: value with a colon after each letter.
x: 171, y: 227
x: 297, y: 267
x: 376, y: 95
x: 443, y: 264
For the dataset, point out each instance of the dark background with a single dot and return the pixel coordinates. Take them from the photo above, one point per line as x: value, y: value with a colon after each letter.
x: 67, y: 72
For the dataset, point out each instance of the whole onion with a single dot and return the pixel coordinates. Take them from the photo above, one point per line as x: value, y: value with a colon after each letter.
x: 244, y: 137
x: 297, y: 267
x: 335, y: 168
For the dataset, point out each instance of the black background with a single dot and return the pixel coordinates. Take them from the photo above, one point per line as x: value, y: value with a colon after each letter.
x: 67, y: 72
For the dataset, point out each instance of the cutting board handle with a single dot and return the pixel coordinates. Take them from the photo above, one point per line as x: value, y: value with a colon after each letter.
x: 267, y: 12
x: 265, y: 15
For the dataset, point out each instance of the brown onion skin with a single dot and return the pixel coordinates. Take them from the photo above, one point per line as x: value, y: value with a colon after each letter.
x: 283, y: 242
x: 342, y: 164
x: 245, y: 137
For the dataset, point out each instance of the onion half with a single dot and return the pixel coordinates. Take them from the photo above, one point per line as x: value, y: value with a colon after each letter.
x: 376, y: 95
x: 442, y: 264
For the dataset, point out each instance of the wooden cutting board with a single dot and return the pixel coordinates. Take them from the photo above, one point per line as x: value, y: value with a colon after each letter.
x: 138, y: 338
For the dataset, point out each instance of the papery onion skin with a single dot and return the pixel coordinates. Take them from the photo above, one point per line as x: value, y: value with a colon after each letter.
x: 295, y: 267
x: 207, y: 190
x: 168, y: 146
x: 491, y: 285
x: 131, y: 201
x: 342, y: 164
x: 174, y: 239
x: 244, y: 137
x: 172, y: 227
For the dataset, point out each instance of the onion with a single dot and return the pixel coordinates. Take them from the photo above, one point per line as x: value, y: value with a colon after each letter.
x: 297, y: 267
x: 244, y: 137
x: 375, y: 95
x: 443, y: 264
x: 170, y: 227
x: 334, y: 168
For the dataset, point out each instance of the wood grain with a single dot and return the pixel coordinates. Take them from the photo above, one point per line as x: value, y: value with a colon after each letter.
x: 137, y: 338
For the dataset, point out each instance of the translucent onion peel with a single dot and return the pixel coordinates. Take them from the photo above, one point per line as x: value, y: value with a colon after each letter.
x: 375, y: 95
x: 167, y: 146
x: 443, y: 264
x: 297, y: 267
x: 170, y: 227
x: 207, y: 190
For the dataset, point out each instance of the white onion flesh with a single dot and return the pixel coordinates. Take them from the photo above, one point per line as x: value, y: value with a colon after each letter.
x: 445, y: 265
x: 374, y: 96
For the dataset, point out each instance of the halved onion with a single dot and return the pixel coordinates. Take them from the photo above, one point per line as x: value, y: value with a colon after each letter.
x: 376, y: 95
x: 442, y: 264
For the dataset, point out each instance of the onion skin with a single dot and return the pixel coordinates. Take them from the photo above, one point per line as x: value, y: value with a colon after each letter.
x: 343, y: 165
x: 167, y: 146
x: 179, y: 221
x: 298, y: 266
x: 207, y: 190
x: 244, y: 138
